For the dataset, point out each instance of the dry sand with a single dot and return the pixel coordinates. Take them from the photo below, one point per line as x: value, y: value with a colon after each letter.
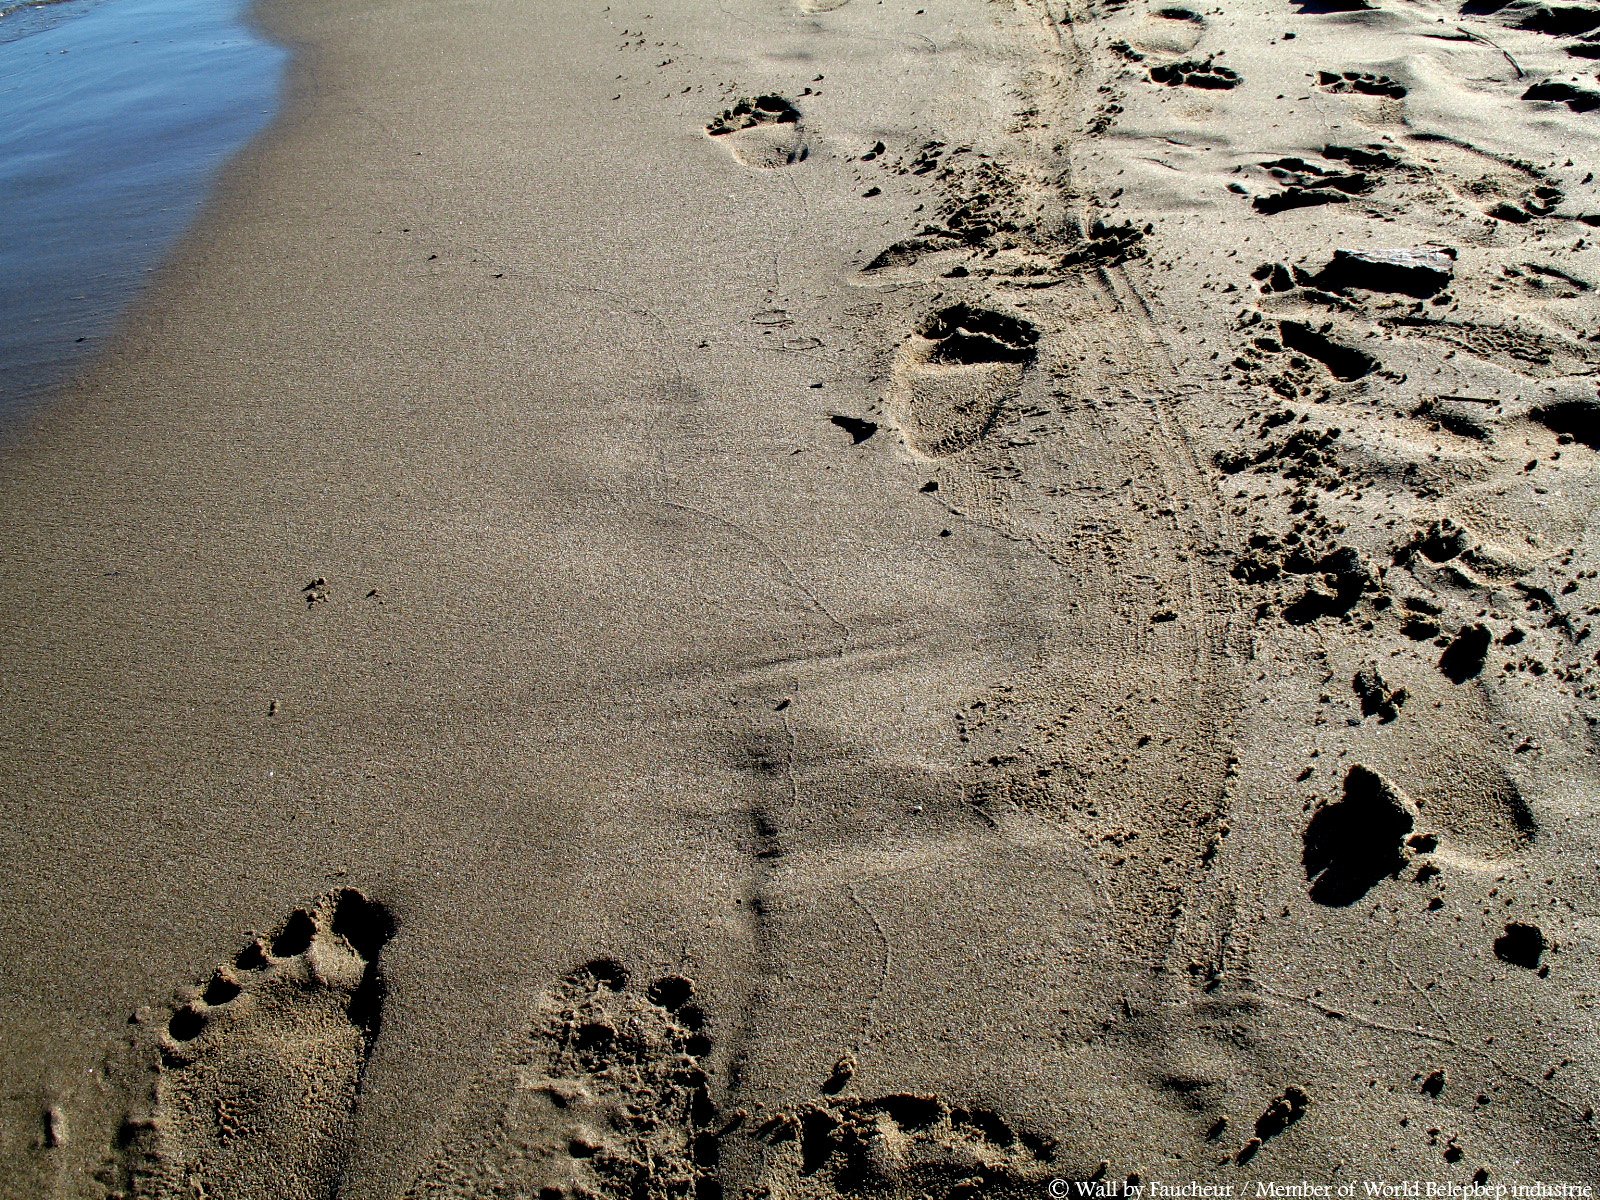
x: 898, y: 598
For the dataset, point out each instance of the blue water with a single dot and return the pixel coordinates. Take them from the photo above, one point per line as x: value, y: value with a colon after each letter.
x: 115, y: 117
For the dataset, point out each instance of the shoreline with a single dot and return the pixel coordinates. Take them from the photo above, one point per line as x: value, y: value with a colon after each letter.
x: 84, y: 93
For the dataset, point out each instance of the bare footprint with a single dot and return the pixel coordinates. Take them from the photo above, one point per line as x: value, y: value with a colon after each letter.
x: 601, y: 1095
x: 900, y: 1146
x: 952, y: 376
x: 1204, y: 73
x: 259, y: 1072
x: 762, y: 133
x: 1169, y: 31
x: 1360, y: 83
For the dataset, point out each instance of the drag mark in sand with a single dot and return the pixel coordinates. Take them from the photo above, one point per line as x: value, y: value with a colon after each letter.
x: 813, y: 601
x: 1042, y: 428
x: 759, y: 755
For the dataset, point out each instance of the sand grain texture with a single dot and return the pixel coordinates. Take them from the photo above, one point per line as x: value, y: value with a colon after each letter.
x: 843, y: 586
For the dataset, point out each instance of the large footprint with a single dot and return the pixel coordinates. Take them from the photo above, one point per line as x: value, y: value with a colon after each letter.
x: 602, y: 1095
x: 952, y: 376
x: 762, y: 133
x: 258, y: 1073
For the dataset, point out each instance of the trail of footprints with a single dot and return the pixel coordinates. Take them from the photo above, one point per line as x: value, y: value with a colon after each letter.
x: 603, y: 1092
x: 963, y: 362
x: 1336, y: 338
x: 606, y: 1090
x: 1321, y: 335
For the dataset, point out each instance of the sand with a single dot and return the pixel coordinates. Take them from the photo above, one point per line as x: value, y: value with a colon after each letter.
x: 816, y: 599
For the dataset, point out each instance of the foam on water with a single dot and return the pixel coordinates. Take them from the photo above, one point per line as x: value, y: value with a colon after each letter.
x: 115, y: 116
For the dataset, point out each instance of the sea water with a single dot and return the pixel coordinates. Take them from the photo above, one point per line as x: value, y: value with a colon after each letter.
x: 115, y: 118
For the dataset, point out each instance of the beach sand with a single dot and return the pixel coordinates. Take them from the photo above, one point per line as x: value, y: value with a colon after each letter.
x: 815, y: 599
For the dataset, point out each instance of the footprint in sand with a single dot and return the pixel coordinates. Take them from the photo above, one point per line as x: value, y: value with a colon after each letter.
x: 1577, y: 419
x: 259, y: 1072
x: 762, y: 133
x: 952, y: 376
x: 1555, y: 91
x: 1333, y: 177
x: 601, y: 1094
x: 1355, y: 842
x: 1169, y: 31
x: 1203, y: 73
x: 1360, y: 83
x: 900, y: 1146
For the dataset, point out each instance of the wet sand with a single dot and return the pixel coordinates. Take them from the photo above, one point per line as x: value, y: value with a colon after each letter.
x: 845, y: 599
x: 114, y: 120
